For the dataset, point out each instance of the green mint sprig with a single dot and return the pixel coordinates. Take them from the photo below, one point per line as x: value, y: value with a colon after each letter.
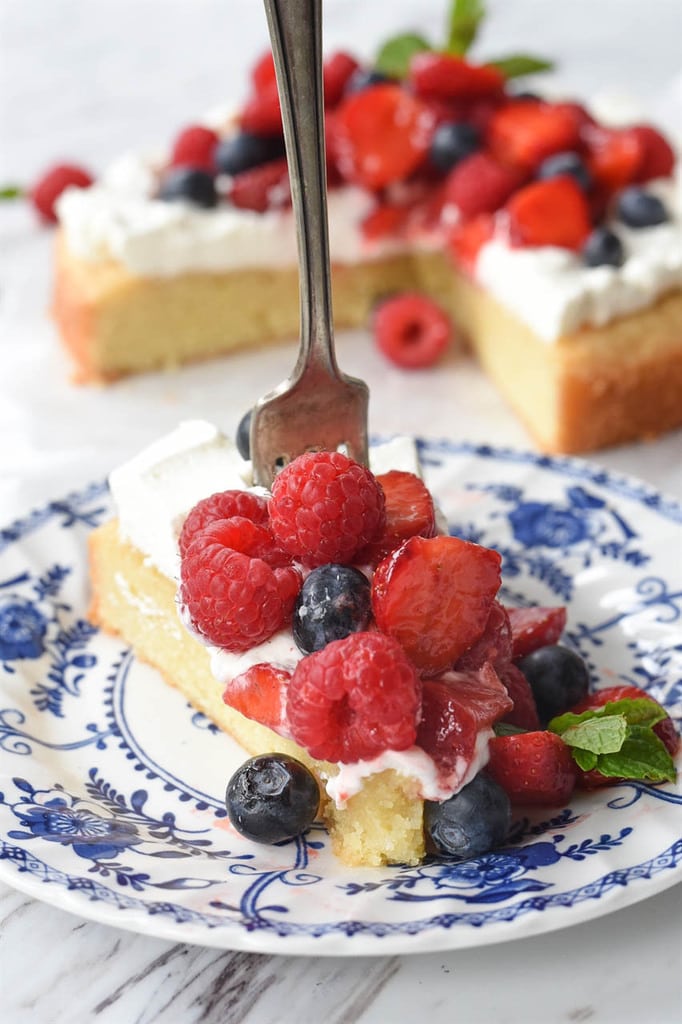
x: 11, y: 192
x: 618, y: 740
x: 464, y: 21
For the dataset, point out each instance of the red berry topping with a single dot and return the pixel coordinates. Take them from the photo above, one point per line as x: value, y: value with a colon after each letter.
x: 235, y: 601
x: 455, y: 708
x: 466, y: 241
x: 354, y: 699
x: 525, y: 712
x: 382, y: 134
x: 551, y: 212
x: 659, y: 157
x: 524, y: 132
x: 336, y: 71
x: 262, y: 188
x: 50, y: 186
x: 412, y: 330
x: 665, y: 729
x: 325, y: 507
x: 409, y: 513
x: 533, y: 768
x: 222, y: 505
x: 194, y: 147
x: 434, y: 596
x: 535, y: 627
x: 442, y: 76
x: 614, y: 155
x: 260, y: 693
x: 479, y: 184
x: 243, y: 535
x: 494, y: 645
x: 261, y: 114
x: 263, y: 71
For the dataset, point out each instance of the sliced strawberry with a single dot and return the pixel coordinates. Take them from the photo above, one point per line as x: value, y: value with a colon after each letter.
x: 614, y: 155
x: 336, y: 71
x: 263, y: 71
x: 551, y: 212
x: 434, y: 596
x: 495, y: 644
x: 465, y: 241
x: 524, y: 132
x: 659, y: 157
x: 194, y: 147
x: 455, y: 709
x: 443, y: 76
x: 665, y: 729
x: 525, y: 712
x: 261, y: 114
x: 262, y: 188
x: 533, y: 768
x: 479, y: 184
x: 409, y: 513
x: 535, y: 627
x: 387, y: 220
x: 382, y: 135
x: 260, y: 693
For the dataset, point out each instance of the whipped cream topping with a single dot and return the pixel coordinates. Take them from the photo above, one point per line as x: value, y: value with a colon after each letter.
x: 151, y: 506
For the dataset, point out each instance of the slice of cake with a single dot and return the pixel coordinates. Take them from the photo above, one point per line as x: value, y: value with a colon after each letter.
x: 553, y: 241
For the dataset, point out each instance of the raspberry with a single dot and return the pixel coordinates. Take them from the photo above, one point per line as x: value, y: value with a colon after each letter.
x: 440, y: 75
x: 234, y: 601
x: 411, y: 330
x: 336, y: 71
x: 194, y: 147
x: 435, y: 595
x: 552, y: 212
x: 222, y: 505
x: 325, y: 507
x: 50, y: 186
x: 381, y: 135
x: 251, y: 539
x: 479, y: 184
x: 261, y: 114
x: 262, y: 188
x: 354, y: 699
x: 524, y: 132
x: 535, y: 627
x: 533, y: 768
x: 260, y: 693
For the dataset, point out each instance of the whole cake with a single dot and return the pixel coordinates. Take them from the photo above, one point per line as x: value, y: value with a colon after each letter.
x: 552, y: 239
x: 341, y: 636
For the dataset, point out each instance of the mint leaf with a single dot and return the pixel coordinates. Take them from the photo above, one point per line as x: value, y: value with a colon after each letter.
x: 395, y: 55
x: 463, y: 23
x: 11, y: 192
x: 585, y: 759
x: 521, y: 64
x: 604, y: 735
x: 636, y: 711
x: 642, y: 756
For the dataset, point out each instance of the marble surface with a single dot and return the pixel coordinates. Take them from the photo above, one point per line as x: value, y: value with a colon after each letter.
x: 84, y: 81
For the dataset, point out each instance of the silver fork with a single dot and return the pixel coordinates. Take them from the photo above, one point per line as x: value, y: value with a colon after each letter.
x: 318, y: 407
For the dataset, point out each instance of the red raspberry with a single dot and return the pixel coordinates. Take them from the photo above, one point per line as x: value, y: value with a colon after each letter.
x: 525, y: 712
x: 261, y: 114
x: 354, y: 699
x: 325, y: 507
x: 382, y: 134
x: 262, y: 188
x: 665, y: 729
x: 50, y: 186
x: 551, y: 212
x: 523, y: 132
x: 234, y: 601
x: 535, y: 627
x: 466, y: 241
x: 440, y: 75
x: 479, y: 184
x: 533, y: 768
x: 194, y: 147
x: 434, y: 596
x: 260, y: 693
x: 263, y: 71
x: 222, y: 505
x: 336, y: 71
x: 251, y: 539
x: 411, y: 330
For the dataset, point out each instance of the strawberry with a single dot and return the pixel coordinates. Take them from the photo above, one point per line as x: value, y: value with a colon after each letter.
x: 434, y: 596
x: 441, y: 75
x: 479, y: 184
x: 535, y: 627
x: 382, y: 135
x: 551, y: 212
x: 194, y: 147
x: 665, y: 729
x: 455, y: 708
x: 614, y: 155
x: 384, y: 221
x: 524, y: 714
x: 524, y: 132
x: 336, y: 71
x: 261, y: 114
x: 409, y: 513
x: 465, y: 241
x: 262, y: 188
x: 532, y: 768
x: 494, y: 645
x: 659, y: 157
x: 260, y: 693
x: 263, y: 71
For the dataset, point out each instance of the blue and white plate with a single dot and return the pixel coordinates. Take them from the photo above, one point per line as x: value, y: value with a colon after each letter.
x: 111, y: 786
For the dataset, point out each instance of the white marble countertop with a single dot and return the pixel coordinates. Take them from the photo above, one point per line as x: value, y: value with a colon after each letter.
x: 84, y: 81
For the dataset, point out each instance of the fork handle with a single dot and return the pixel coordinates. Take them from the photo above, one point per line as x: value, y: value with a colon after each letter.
x: 296, y: 36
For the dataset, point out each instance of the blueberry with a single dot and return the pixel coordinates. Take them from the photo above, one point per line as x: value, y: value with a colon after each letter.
x: 451, y: 142
x: 640, y: 209
x: 363, y: 78
x: 471, y: 822
x: 272, y: 798
x: 334, y: 601
x: 558, y: 678
x: 197, y: 187
x: 568, y: 163
x: 244, y: 435
x: 603, y: 248
x: 242, y: 151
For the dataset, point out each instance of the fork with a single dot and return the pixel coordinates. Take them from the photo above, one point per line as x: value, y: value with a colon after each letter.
x: 318, y: 407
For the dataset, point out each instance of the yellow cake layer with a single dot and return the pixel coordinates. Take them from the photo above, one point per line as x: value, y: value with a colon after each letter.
x: 381, y: 824
x: 596, y: 387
